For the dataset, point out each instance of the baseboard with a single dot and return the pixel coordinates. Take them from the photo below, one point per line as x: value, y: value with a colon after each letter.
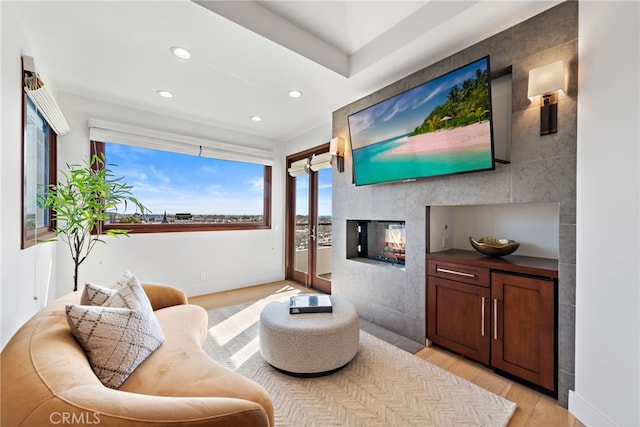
x: 204, y: 289
x: 587, y: 413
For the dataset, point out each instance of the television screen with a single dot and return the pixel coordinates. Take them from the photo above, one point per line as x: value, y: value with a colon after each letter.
x: 441, y: 127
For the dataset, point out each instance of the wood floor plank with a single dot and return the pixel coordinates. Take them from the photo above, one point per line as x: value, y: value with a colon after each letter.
x: 546, y: 412
x: 464, y: 369
x: 488, y: 380
x: 527, y: 398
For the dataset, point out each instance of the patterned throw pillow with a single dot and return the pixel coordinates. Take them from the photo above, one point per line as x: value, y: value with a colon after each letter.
x: 97, y: 295
x: 129, y: 294
x: 119, y: 335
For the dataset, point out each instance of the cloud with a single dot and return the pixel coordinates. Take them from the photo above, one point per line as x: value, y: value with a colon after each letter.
x: 208, y: 169
x: 430, y: 95
x: 132, y: 175
x: 256, y: 185
x: 398, y: 107
x: 160, y: 175
x: 361, y: 121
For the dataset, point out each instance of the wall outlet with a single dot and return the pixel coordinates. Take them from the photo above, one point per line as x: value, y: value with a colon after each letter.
x: 445, y: 241
x: 203, y: 275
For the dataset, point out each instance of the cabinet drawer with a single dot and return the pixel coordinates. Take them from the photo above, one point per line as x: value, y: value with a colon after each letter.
x: 459, y: 272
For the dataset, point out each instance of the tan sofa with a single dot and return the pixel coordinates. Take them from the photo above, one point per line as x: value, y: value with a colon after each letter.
x: 47, y: 379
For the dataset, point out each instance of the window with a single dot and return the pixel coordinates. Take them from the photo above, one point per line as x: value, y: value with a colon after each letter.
x: 39, y: 171
x: 186, y: 192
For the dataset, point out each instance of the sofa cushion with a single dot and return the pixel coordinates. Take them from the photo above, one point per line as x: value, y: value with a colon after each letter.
x: 119, y: 335
x: 183, y: 357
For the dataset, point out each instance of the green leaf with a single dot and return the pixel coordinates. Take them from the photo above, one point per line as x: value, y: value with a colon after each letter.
x: 80, y: 201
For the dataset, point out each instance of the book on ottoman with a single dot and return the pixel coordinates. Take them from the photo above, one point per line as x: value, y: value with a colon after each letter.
x: 310, y: 303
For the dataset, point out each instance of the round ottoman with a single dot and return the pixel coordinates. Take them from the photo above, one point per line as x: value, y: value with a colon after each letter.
x: 309, y: 344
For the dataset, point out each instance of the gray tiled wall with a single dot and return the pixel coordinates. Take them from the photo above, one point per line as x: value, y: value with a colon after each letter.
x: 542, y: 169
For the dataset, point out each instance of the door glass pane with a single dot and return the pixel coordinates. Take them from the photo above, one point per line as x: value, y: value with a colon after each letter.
x: 301, y: 253
x: 324, y: 235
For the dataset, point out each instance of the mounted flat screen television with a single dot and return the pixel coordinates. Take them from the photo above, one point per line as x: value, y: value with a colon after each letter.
x: 441, y: 127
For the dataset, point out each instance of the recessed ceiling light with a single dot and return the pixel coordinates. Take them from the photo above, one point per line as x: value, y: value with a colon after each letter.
x: 165, y: 94
x: 181, y: 52
x: 256, y: 118
x: 295, y: 93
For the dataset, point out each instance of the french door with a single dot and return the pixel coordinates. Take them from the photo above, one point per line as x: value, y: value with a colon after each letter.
x: 308, y: 218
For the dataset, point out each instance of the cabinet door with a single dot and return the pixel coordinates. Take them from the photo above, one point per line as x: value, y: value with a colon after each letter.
x: 523, y: 330
x: 458, y: 317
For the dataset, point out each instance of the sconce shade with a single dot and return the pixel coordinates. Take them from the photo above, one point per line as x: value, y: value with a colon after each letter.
x: 336, y: 146
x: 321, y: 161
x: 546, y: 79
x: 299, y: 167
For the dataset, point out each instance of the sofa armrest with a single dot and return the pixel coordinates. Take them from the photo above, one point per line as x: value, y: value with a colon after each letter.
x: 106, y: 407
x: 162, y: 296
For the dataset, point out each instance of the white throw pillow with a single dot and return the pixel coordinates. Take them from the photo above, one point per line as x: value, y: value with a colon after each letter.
x: 119, y: 335
x: 93, y: 294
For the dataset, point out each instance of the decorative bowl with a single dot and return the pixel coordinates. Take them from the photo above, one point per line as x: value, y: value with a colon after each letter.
x: 495, y: 247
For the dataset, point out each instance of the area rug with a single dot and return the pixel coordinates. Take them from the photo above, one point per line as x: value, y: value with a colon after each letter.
x: 382, y: 386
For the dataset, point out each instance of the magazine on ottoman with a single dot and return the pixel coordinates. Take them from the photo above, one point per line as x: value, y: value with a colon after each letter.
x: 310, y: 303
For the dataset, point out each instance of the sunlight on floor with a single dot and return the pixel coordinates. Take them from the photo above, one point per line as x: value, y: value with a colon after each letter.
x: 227, y: 330
x: 245, y: 353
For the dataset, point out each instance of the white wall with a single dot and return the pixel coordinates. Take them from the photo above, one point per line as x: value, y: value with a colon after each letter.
x: 317, y: 136
x: 607, y: 388
x: 178, y: 259
x: 534, y: 225
x: 25, y: 275
x: 229, y: 259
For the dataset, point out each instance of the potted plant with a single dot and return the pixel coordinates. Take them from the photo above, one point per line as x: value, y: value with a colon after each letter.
x: 80, y: 203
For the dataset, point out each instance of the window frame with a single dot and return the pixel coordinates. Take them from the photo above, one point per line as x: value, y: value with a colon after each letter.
x: 97, y: 148
x: 37, y: 235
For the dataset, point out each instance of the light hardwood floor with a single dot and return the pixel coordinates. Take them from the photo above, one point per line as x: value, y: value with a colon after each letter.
x: 534, y: 409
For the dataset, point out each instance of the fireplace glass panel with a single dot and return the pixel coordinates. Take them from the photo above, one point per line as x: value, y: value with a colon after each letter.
x: 382, y: 241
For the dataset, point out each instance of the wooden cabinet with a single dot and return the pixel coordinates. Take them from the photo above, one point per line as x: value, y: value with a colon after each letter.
x: 523, y: 341
x: 499, y: 312
x: 458, y: 315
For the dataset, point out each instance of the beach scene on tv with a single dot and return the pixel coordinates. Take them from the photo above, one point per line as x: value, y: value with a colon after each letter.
x: 441, y: 127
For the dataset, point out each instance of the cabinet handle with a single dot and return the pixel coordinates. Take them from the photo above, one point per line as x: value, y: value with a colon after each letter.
x: 482, y: 327
x: 495, y: 319
x: 457, y: 273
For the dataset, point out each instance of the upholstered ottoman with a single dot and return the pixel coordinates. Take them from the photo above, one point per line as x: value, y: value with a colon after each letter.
x: 309, y: 344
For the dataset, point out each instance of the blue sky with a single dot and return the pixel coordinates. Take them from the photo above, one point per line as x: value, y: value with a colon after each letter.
x: 172, y: 182
x: 403, y: 113
x: 325, y: 177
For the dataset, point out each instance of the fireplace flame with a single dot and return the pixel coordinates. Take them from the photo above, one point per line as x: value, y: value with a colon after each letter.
x: 394, y: 243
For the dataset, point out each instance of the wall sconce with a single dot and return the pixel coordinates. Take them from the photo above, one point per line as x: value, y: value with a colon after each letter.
x: 546, y: 81
x: 336, y: 148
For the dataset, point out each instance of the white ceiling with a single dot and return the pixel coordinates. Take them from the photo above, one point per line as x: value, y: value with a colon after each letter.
x: 248, y: 54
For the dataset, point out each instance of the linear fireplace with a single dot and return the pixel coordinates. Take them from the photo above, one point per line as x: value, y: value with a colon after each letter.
x: 377, y: 240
